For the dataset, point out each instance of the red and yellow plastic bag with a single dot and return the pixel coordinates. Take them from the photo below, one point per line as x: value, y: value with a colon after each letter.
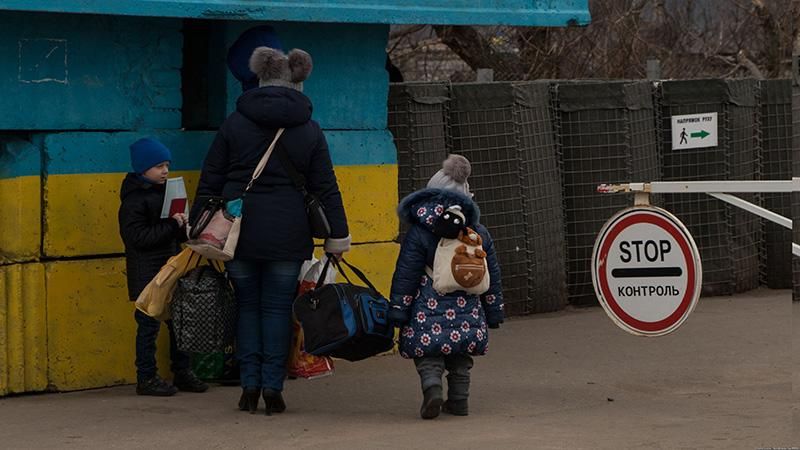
x: 302, y: 364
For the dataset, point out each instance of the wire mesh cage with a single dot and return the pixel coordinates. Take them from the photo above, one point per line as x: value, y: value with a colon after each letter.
x: 728, y: 237
x: 607, y: 134
x: 417, y: 120
x: 776, y: 141
x: 796, y: 195
x: 541, y: 189
x: 506, y: 130
x: 539, y: 150
x: 482, y: 129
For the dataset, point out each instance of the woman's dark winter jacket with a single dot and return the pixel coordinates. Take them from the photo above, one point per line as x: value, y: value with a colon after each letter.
x: 149, y: 240
x: 274, y: 220
x: 440, y: 324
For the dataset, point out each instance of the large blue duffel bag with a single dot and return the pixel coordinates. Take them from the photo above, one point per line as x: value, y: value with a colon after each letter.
x: 344, y: 320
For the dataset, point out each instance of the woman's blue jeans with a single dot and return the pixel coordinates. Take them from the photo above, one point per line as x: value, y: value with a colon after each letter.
x: 265, y: 291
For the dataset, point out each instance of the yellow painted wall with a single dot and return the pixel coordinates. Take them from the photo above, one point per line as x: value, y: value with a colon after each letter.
x: 375, y: 260
x: 91, y: 327
x: 90, y: 321
x: 23, y: 330
x: 369, y: 194
x: 68, y: 325
x: 80, y: 213
x: 81, y: 210
x: 20, y: 220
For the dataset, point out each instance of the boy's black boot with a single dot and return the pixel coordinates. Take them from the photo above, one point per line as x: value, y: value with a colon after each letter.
x: 431, y: 402
x: 456, y: 407
x: 187, y: 381
x: 155, y: 386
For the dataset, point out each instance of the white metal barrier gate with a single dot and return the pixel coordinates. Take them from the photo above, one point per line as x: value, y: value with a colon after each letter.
x: 721, y: 190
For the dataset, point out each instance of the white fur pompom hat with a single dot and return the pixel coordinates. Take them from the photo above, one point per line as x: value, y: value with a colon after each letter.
x: 453, y: 175
x: 274, y: 68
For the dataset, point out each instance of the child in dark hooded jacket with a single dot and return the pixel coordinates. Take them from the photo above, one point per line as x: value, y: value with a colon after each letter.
x: 149, y: 242
x: 442, y: 331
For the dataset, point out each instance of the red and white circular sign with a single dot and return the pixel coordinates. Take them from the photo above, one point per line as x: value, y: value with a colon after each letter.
x: 646, y: 271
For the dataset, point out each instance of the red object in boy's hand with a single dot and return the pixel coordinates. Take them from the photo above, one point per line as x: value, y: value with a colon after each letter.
x: 178, y: 206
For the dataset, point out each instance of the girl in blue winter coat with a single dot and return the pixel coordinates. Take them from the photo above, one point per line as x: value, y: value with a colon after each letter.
x: 442, y: 331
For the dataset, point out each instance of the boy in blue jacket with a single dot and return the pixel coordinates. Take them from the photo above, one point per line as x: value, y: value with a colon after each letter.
x: 442, y: 331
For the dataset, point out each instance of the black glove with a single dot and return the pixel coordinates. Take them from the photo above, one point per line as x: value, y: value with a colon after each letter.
x: 494, y: 319
x: 397, y: 317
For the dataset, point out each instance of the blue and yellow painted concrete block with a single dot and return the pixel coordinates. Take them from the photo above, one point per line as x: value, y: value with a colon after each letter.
x: 20, y: 195
x: 82, y: 72
x: 84, y: 175
x: 85, y: 170
x: 23, y: 329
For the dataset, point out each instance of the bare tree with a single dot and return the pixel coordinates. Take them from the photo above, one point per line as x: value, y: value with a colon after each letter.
x: 691, y: 38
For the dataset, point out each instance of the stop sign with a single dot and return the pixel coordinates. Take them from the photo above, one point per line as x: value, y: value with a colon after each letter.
x: 646, y: 271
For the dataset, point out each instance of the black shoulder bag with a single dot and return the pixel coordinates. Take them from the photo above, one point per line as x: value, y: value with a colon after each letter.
x: 318, y: 221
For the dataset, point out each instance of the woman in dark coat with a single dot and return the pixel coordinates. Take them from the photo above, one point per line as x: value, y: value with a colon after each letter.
x: 275, y: 236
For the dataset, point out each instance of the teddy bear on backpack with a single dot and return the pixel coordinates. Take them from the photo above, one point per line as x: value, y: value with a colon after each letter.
x: 459, y: 262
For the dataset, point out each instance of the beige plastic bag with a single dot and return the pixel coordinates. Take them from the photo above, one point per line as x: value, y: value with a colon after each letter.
x: 155, y: 297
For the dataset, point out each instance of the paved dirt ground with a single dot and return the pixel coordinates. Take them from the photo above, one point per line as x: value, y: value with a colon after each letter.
x: 563, y: 380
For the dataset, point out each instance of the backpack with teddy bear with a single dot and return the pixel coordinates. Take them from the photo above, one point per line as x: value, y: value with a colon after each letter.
x: 459, y: 263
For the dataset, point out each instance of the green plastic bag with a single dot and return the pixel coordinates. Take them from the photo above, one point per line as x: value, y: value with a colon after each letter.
x: 208, y: 366
x: 217, y: 367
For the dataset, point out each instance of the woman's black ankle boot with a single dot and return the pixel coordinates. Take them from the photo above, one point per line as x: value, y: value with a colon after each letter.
x: 249, y: 400
x: 273, y: 401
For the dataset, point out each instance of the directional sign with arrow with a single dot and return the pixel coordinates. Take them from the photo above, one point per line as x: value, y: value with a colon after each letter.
x: 694, y: 131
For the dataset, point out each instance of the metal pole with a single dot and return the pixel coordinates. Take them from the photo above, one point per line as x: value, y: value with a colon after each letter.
x: 755, y: 209
x: 484, y: 75
x: 653, y: 69
x: 716, y: 189
x: 704, y: 187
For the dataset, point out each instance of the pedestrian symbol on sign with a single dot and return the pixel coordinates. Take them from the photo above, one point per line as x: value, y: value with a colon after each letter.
x: 694, y: 131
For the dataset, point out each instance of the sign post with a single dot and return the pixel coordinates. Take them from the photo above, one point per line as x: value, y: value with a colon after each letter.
x: 646, y: 271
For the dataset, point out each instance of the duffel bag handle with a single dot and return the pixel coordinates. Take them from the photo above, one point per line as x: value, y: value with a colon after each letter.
x: 337, y: 264
x: 356, y: 271
x: 324, y: 272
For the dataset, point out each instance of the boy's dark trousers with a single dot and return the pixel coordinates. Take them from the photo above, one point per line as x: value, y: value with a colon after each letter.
x: 431, y: 369
x: 146, y: 334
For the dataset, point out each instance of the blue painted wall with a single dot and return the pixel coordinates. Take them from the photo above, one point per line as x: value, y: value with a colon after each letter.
x: 349, y: 85
x: 20, y: 156
x: 465, y: 12
x: 68, y: 72
x: 74, y: 72
x: 86, y: 153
